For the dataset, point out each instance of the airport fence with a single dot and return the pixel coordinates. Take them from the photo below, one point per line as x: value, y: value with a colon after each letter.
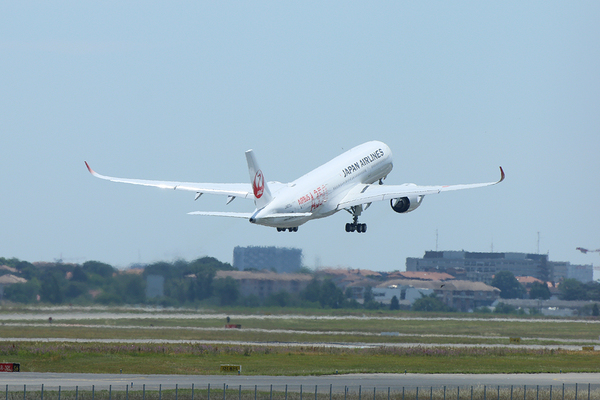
x: 300, y: 392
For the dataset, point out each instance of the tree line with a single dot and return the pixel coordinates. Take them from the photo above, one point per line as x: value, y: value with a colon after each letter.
x: 193, y: 283
x: 185, y: 284
x: 568, y: 289
x: 95, y: 282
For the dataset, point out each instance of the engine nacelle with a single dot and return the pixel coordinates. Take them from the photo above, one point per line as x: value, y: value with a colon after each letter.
x: 406, y: 204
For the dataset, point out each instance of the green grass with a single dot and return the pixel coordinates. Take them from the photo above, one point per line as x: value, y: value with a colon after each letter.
x: 237, y: 335
x: 264, y: 360
x: 306, y: 360
x: 342, y: 330
x: 380, y: 321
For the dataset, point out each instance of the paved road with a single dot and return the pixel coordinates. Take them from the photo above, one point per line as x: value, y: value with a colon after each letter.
x: 299, y: 344
x: 289, y: 331
x: 68, y: 313
x: 51, y: 381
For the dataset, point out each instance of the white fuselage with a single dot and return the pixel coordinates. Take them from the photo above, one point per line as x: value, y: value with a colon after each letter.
x: 320, y: 191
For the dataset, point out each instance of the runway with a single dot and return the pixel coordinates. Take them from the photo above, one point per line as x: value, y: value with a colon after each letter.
x: 367, y: 382
x: 348, y: 345
x: 60, y: 313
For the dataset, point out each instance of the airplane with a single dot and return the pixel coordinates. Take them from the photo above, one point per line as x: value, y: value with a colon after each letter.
x: 351, y: 181
x: 585, y: 251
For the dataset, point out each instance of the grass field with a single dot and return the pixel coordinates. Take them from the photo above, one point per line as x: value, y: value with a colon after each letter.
x: 267, y: 360
x: 264, y: 359
x: 471, y: 331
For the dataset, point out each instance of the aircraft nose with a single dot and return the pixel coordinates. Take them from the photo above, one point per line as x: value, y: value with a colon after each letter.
x: 388, y: 151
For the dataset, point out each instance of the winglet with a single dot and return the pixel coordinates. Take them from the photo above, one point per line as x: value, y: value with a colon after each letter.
x: 90, y: 169
x: 502, y: 175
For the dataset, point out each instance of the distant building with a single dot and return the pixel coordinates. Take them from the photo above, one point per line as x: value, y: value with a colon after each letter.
x: 583, y: 273
x: 462, y: 295
x: 527, y: 281
x: 277, y: 259
x: 343, y: 277
x: 406, y: 294
x: 9, y: 279
x: 155, y: 286
x: 553, y: 307
x: 481, y: 267
x: 421, y: 276
x: 356, y: 289
x: 4, y: 269
x: 467, y: 295
x: 264, y: 284
x: 354, y: 282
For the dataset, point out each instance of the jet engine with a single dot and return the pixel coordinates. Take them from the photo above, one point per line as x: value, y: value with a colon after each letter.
x: 406, y: 204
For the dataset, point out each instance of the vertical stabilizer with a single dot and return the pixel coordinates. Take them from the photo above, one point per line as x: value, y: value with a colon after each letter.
x: 262, y: 194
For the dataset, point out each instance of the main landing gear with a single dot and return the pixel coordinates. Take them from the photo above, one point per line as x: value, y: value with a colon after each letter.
x: 294, y: 229
x: 354, y: 226
x: 360, y: 228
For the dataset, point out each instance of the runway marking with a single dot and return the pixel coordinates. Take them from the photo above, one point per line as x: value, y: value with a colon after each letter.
x: 289, y: 331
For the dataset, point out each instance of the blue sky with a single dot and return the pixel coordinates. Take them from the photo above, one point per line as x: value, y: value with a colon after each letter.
x: 179, y: 90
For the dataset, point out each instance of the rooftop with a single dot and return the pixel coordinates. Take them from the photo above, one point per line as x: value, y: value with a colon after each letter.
x: 10, y: 279
x: 263, y: 276
x: 421, y: 275
x: 9, y: 269
x: 524, y: 280
x: 441, y: 285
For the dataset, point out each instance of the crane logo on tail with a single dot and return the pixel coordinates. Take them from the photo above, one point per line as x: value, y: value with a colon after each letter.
x: 258, y: 184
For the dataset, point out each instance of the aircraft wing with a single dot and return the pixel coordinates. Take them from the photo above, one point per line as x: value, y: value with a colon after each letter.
x: 363, y: 194
x: 229, y: 189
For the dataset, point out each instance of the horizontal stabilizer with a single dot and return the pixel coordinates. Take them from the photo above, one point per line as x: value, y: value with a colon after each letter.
x: 286, y: 215
x: 222, y: 214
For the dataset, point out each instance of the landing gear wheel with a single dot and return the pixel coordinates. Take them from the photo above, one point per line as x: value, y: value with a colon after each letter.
x: 354, y: 225
x: 360, y: 228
